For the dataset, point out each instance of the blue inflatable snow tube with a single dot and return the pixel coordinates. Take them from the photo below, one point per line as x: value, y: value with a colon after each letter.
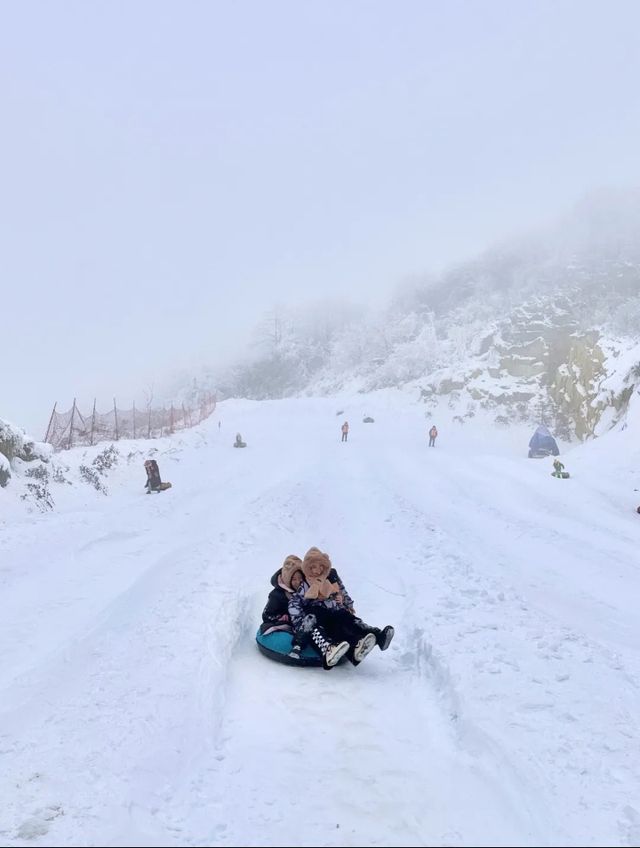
x: 277, y: 645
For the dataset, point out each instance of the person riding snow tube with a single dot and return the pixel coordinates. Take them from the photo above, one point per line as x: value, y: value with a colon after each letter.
x: 275, y: 636
x: 154, y: 483
x: 558, y: 470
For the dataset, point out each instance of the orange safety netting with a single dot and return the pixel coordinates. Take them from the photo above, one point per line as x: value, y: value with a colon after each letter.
x: 71, y: 428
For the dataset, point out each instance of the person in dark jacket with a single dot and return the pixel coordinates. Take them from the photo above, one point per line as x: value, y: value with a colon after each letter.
x: 558, y: 470
x: 322, y: 614
x: 154, y: 482
x: 433, y: 435
x: 275, y: 615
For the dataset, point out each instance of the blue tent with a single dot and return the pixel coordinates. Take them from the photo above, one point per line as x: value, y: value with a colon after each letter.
x: 542, y: 443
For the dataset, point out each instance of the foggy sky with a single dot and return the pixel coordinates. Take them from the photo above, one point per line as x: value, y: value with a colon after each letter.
x: 169, y: 171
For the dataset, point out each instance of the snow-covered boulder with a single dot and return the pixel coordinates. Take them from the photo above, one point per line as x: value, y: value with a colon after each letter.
x: 16, y: 444
x: 5, y: 470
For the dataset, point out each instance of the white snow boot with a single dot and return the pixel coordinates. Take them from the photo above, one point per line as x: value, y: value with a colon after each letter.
x: 364, y: 646
x: 331, y: 654
x: 334, y: 654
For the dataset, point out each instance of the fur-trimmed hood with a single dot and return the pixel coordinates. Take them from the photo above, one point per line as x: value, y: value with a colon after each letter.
x: 282, y: 578
x: 316, y: 567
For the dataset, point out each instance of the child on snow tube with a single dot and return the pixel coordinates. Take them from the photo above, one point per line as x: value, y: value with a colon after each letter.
x: 275, y: 615
x: 322, y: 614
x: 275, y: 635
x: 558, y: 470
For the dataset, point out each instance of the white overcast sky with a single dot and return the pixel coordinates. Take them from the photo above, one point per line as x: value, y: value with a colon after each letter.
x: 169, y: 171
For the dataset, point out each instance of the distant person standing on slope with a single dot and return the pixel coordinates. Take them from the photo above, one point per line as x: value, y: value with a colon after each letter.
x: 433, y: 434
x: 154, y: 483
x: 345, y: 431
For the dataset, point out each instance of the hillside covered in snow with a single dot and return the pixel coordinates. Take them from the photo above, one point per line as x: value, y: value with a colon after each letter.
x: 541, y: 328
x: 136, y: 710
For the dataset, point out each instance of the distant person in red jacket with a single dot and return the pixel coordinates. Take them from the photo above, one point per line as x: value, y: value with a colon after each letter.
x: 433, y: 434
x: 345, y: 431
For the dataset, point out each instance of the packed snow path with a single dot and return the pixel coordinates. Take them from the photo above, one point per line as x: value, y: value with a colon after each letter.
x: 135, y: 708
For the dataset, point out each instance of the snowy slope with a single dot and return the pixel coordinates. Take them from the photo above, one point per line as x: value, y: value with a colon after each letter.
x: 135, y: 709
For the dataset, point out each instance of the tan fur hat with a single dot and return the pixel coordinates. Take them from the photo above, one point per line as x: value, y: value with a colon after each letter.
x: 291, y: 564
x: 319, y: 585
x: 313, y: 557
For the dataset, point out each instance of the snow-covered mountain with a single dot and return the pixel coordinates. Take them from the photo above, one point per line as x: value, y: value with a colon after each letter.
x: 134, y: 706
x: 542, y: 328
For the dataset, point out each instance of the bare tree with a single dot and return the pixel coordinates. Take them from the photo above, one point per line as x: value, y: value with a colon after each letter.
x: 148, y: 395
x: 269, y: 332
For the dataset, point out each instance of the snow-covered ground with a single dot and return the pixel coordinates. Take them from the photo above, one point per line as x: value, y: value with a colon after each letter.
x: 136, y: 710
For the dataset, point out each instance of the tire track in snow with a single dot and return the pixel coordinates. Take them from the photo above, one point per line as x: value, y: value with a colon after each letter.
x: 148, y: 678
x: 379, y: 787
x: 505, y: 649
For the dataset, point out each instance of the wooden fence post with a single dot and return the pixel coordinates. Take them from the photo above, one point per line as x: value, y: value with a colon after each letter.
x: 53, y: 412
x: 73, y: 415
x: 93, y: 420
